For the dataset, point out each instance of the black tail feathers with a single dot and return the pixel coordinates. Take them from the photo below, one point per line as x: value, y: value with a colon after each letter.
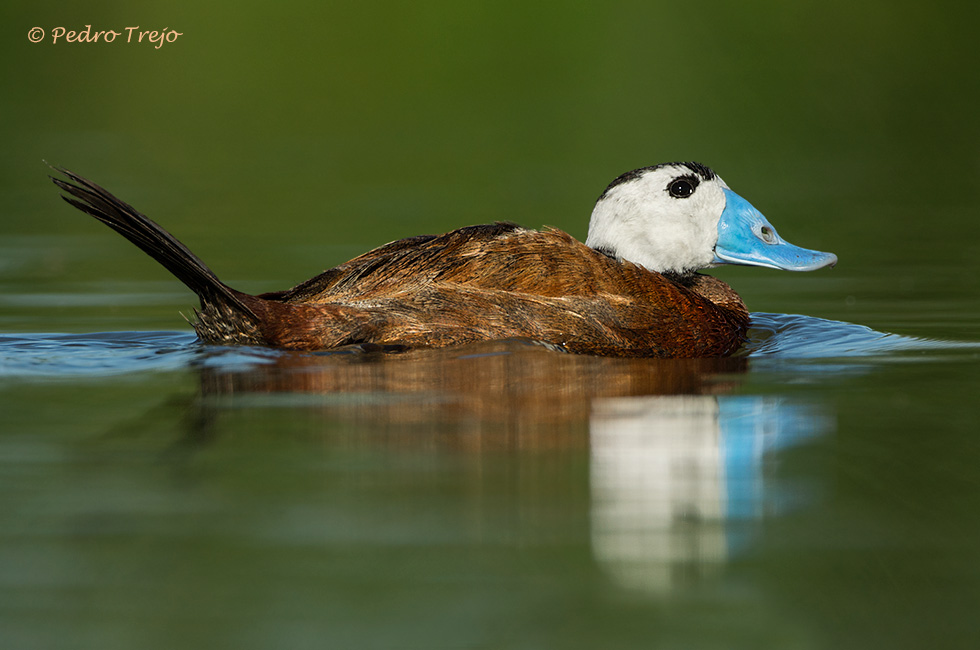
x: 153, y: 240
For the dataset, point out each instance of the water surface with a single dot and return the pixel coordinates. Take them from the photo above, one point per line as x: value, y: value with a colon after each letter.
x: 157, y: 489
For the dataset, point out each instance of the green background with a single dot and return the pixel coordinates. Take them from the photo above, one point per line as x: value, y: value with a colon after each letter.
x: 278, y: 141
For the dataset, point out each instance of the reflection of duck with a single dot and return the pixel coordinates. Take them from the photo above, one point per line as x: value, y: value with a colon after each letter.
x: 680, y: 483
x: 492, y: 394
x: 631, y: 290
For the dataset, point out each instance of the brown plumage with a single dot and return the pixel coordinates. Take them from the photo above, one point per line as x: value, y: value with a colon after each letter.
x: 476, y: 283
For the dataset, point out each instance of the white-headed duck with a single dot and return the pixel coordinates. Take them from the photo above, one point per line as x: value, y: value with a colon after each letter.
x: 632, y: 289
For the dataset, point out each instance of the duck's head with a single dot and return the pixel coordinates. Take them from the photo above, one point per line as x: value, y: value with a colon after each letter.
x: 681, y: 217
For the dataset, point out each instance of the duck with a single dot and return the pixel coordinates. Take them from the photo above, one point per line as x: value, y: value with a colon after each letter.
x: 634, y: 288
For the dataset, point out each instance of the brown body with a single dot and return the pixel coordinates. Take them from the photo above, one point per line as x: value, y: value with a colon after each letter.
x: 477, y: 283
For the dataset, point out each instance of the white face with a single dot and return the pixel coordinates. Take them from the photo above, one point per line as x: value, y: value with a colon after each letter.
x: 664, y: 218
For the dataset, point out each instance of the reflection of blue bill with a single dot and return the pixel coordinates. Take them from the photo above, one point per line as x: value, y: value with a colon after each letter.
x: 680, y: 481
x: 751, y: 429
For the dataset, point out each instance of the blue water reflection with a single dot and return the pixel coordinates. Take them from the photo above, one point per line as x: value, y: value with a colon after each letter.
x: 679, y: 482
x: 807, y: 337
x: 772, y: 338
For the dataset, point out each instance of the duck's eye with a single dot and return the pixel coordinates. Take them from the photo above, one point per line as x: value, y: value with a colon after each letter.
x: 768, y: 235
x: 681, y: 188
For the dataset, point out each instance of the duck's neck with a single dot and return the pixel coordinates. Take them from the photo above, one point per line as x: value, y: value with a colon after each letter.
x: 709, y: 287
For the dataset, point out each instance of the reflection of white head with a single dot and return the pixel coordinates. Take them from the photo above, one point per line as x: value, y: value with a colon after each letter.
x: 675, y: 479
x: 658, y: 488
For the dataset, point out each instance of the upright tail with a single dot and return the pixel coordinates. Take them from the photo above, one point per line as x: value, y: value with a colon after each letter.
x: 157, y: 243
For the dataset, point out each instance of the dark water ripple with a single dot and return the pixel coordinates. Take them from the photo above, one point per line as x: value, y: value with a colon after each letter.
x: 773, y: 336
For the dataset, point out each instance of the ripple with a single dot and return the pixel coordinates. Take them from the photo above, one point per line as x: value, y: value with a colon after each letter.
x: 99, y: 353
x: 772, y: 336
x: 806, y: 337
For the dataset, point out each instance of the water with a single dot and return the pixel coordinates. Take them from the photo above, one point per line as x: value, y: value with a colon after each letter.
x: 772, y: 338
x: 157, y: 491
x: 819, y: 490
